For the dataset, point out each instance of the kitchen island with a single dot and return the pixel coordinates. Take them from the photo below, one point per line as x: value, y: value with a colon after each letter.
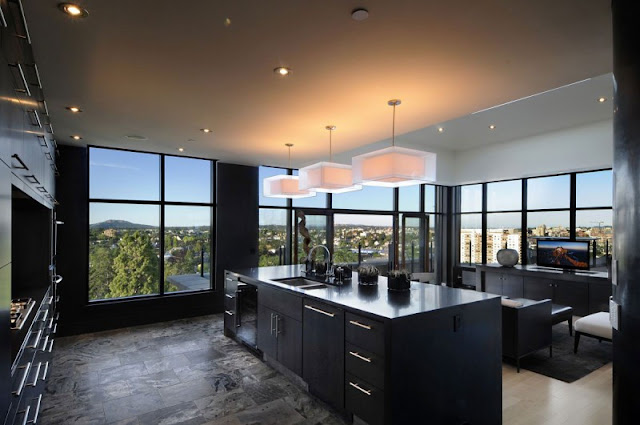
x: 428, y: 355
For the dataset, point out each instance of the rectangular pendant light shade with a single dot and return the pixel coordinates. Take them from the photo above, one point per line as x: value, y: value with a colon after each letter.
x: 394, y: 167
x: 328, y: 177
x: 284, y: 186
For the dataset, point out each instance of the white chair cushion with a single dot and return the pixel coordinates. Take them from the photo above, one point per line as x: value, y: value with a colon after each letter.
x: 596, y: 324
x: 511, y: 303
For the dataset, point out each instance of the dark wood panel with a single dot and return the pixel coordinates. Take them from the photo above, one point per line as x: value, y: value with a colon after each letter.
x: 323, y: 351
x: 493, y: 283
x: 538, y: 289
x: 364, y: 365
x: 512, y: 286
x: 289, y: 336
x: 267, y: 342
x: 281, y: 301
x: 5, y: 344
x: 575, y: 294
x: 364, y: 400
x: 366, y: 333
x: 599, y: 297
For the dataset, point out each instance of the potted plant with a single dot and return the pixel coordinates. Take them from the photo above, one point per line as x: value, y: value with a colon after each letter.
x: 399, y: 280
x: 368, y: 275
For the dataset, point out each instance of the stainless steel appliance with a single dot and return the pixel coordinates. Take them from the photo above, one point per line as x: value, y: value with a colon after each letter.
x: 247, y: 313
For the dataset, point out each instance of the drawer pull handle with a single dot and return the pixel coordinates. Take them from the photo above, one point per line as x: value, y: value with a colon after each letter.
x: 361, y: 325
x: 46, y: 371
x: 46, y: 342
x: 22, y: 166
x: 229, y: 312
x: 35, y: 416
x: 23, y: 381
x: 37, y: 342
x: 229, y: 279
x: 229, y: 296
x: 359, y: 356
x: 50, y: 346
x: 32, y: 179
x: 26, y: 411
x: 317, y: 310
x: 35, y: 380
x: 359, y: 388
x: 271, y: 324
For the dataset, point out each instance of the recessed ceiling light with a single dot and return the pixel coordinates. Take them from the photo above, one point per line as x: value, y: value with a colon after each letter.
x: 602, y: 99
x: 181, y: 149
x: 205, y: 130
x: 74, y: 109
x: 492, y: 127
x: 282, y: 70
x: 227, y: 22
x: 76, y: 137
x: 73, y: 10
x: 359, y: 14
x: 440, y: 130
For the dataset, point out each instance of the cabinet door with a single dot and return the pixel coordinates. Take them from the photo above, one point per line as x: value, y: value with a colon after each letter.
x: 599, y: 294
x: 575, y: 294
x: 323, y: 351
x: 512, y: 286
x: 5, y: 216
x: 493, y: 283
x: 289, y: 336
x: 538, y: 289
x: 267, y: 341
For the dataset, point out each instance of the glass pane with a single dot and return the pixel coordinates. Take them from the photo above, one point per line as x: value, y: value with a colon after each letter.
x: 112, y: 172
x: 311, y: 231
x: 365, y: 236
x: 187, y: 248
x: 431, y: 244
x: 372, y: 198
x: 552, y: 224
x: 411, y: 244
x: 470, y: 238
x: 263, y: 173
x: 272, y: 237
x: 471, y: 198
x: 318, y: 201
x: 409, y: 198
x: 504, y: 196
x: 187, y: 179
x: 429, y: 198
x: 503, y: 231
x: 124, y: 250
x: 597, y: 226
x: 549, y: 192
x: 594, y: 189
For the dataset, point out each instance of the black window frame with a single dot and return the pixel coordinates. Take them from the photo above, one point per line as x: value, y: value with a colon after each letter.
x: 161, y: 204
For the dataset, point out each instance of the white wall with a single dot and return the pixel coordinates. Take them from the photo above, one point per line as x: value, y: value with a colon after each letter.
x: 576, y: 149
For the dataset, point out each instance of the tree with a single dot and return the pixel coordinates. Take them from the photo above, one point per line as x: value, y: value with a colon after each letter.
x: 135, y: 267
x: 100, y: 271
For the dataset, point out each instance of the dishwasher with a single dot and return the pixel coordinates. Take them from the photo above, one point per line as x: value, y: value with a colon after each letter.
x: 247, y: 313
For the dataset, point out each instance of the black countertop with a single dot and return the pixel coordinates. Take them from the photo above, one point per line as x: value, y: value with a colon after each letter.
x: 376, y: 300
x: 576, y: 276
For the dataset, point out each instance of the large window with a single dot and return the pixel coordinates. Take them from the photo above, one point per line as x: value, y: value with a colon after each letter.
x: 376, y: 225
x: 143, y: 241
x: 568, y: 206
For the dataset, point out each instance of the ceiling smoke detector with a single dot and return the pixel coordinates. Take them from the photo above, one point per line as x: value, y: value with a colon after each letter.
x: 135, y: 137
x: 359, y: 14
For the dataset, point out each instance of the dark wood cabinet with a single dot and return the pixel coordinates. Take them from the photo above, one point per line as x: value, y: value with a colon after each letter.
x: 279, y: 337
x: 599, y: 294
x: 575, y: 294
x: 538, y: 289
x: 5, y: 216
x: 493, y: 283
x: 5, y: 342
x: 504, y: 284
x: 323, y: 351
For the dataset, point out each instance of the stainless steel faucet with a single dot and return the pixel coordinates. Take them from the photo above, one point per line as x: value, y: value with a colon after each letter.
x: 329, y: 272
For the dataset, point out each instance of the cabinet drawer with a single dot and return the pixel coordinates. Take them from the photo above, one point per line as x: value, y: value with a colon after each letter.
x: 364, y: 365
x: 230, y: 302
x: 230, y: 284
x: 364, y: 400
x: 281, y: 301
x: 365, y: 333
x: 230, y: 320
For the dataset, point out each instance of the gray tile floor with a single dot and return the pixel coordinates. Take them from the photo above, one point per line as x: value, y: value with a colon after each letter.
x: 181, y: 372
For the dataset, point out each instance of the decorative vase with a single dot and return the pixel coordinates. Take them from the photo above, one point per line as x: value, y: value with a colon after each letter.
x: 400, y: 283
x: 507, y: 257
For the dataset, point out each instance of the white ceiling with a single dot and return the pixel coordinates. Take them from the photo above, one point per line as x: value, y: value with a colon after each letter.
x: 166, y: 69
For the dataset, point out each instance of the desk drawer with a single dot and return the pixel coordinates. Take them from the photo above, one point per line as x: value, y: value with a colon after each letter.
x: 364, y: 365
x: 364, y: 400
x: 365, y: 333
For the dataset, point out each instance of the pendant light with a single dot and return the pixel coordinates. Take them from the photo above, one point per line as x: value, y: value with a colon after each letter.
x: 329, y: 177
x: 394, y: 166
x: 284, y: 186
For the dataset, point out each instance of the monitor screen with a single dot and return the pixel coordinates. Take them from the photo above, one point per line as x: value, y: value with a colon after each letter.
x: 564, y: 254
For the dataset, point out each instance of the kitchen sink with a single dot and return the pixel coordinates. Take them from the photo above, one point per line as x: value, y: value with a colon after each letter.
x: 302, y: 283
